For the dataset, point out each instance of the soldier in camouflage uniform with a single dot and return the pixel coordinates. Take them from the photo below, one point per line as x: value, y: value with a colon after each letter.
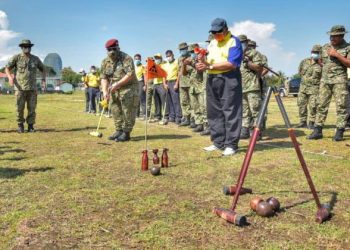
x: 25, y: 66
x: 348, y: 108
x: 336, y: 60
x: 183, y: 83
x: 310, y: 70
x: 119, y: 83
x: 197, y: 89
x: 251, y: 69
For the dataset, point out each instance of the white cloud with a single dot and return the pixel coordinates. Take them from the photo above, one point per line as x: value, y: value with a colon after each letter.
x: 6, y: 35
x: 279, y: 58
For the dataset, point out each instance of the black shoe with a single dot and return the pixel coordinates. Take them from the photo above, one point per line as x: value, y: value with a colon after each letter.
x: 186, y: 122
x: 311, y: 125
x: 125, y: 136
x: 301, y: 125
x: 198, y: 128
x: 244, y: 133
x: 339, y: 134
x: 20, y: 128
x: 115, y: 135
x: 205, y: 132
x: 316, y: 134
x: 192, y: 123
x: 31, y: 128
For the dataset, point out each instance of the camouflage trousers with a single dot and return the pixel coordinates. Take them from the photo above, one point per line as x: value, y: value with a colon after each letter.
x: 124, y: 107
x: 23, y: 97
x: 198, y: 104
x: 305, y: 100
x: 251, y: 107
x: 341, y: 95
x: 185, y: 101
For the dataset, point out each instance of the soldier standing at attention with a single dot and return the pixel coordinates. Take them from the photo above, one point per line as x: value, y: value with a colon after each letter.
x: 119, y: 78
x: 224, y: 88
x: 336, y: 59
x: 25, y: 65
x: 310, y: 70
x: 251, y: 70
x: 184, y: 85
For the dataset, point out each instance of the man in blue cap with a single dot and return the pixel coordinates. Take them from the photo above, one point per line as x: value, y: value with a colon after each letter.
x: 224, y: 88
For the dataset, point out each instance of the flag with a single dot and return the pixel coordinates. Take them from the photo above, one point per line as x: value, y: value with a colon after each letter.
x: 153, y: 70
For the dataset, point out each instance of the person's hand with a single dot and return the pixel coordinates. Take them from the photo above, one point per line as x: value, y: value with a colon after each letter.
x: 332, y: 52
x: 11, y: 81
x: 187, y: 61
x: 144, y: 87
x: 201, y: 66
x: 114, y: 87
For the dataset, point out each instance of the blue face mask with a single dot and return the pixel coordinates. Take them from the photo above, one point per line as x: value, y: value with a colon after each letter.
x: 193, y: 55
x: 315, y: 56
x: 183, y: 52
x: 244, y: 46
x: 137, y: 62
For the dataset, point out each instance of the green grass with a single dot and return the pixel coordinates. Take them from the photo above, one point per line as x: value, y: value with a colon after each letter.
x: 61, y: 188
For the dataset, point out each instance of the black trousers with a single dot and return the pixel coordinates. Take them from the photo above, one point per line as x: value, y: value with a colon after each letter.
x: 224, y: 108
x: 87, y: 100
x: 159, y: 100
x: 173, y: 102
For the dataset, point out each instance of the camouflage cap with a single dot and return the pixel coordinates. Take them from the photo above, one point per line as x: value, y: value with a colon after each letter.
x: 158, y: 55
x: 316, y: 48
x: 191, y: 47
x: 337, y: 30
x: 183, y: 46
x: 243, y: 38
x: 252, y: 43
x: 26, y: 42
x: 210, y: 37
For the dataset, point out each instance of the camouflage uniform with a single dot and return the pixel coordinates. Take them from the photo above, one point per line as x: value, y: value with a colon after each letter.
x: 25, y: 68
x: 184, y: 87
x: 197, y: 94
x: 310, y: 72
x: 125, y: 100
x: 333, y: 82
x: 251, y: 88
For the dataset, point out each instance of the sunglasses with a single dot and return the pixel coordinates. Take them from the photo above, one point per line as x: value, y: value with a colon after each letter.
x: 111, y: 49
x: 216, y: 32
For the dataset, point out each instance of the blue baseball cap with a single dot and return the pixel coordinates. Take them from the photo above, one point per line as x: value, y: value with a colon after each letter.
x: 218, y: 24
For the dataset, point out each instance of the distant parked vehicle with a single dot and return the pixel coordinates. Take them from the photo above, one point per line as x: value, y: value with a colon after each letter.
x: 293, y: 88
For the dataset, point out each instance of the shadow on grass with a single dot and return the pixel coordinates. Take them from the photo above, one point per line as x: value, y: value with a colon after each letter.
x: 11, y: 173
x: 16, y: 150
x: 279, y: 132
x: 53, y: 130
x: 160, y: 136
x: 13, y: 159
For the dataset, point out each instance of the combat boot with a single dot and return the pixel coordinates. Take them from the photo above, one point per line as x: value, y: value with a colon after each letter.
x: 198, y: 128
x: 339, y: 134
x: 311, y: 125
x: 31, y: 128
x: 186, y: 122
x: 192, y: 123
x: 115, y: 135
x: 20, y: 128
x: 301, y: 125
x: 125, y: 136
x: 244, y: 133
x: 316, y: 134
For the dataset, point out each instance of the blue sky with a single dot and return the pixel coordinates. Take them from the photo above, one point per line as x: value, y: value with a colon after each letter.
x: 77, y: 30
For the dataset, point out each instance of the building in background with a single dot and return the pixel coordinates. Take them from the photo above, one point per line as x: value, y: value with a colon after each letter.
x: 53, y: 77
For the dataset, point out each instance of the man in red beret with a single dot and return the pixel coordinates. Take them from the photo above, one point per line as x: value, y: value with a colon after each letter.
x: 120, y: 86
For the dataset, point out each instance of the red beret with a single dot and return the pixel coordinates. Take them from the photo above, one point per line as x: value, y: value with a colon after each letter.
x: 111, y: 43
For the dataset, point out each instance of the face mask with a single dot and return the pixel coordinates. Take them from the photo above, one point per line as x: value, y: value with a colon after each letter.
x: 219, y: 37
x: 137, y: 62
x: 26, y: 50
x: 183, y: 52
x: 93, y: 71
x: 244, y: 46
x: 315, y: 56
x: 158, y: 61
x: 112, y: 53
x: 193, y: 55
x: 170, y: 59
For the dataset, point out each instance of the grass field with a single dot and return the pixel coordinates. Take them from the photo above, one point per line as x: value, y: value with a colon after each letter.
x: 61, y: 188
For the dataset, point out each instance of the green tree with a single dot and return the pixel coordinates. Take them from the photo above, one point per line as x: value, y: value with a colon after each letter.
x: 70, y: 76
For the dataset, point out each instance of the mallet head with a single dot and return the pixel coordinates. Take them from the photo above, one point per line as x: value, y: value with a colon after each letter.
x: 323, y: 213
x: 230, y: 216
